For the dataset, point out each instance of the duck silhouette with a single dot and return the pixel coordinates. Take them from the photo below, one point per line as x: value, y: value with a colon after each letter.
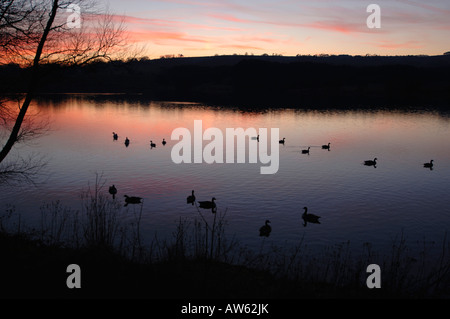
x: 282, y: 141
x: 113, y: 191
x: 208, y: 204
x: 164, y: 141
x: 127, y: 142
x: 152, y: 145
x: 306, y: 151
x: 326, y: 147
x: 115, y: 136
x: 191, y: 198
x: 429, y: 165
x: 309, y: 218
x: 132, y: 200
x: 265, y: 229
x: 371, y: 162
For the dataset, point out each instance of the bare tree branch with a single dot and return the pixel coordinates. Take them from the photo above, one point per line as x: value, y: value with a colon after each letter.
x: 22, y: 170
x: 37, y: 32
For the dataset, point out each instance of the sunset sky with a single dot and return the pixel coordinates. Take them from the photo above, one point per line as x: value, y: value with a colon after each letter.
x: 287, y: 27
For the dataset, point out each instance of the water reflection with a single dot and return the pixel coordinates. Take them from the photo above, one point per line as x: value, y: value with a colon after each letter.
x: 360, y: 204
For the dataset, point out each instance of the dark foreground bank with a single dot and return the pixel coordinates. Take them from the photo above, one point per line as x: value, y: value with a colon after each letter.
x: 31, y: 270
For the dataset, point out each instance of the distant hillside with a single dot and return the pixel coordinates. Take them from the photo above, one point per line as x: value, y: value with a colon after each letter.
x: 259, y: 81
x: 358, y: 60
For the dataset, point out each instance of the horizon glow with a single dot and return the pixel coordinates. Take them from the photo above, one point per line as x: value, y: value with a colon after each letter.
x: 205, y: 28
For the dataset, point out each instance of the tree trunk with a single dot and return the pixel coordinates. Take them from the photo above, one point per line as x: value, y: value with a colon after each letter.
x: 31, y: 87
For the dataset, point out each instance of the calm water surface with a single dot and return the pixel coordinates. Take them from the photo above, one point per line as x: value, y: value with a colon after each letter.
x: 356, y: 203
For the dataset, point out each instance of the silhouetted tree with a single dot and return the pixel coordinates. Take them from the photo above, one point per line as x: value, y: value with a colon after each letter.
x: 33, y: 33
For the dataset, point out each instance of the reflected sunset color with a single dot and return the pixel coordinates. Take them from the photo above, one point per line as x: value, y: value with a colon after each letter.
x: 356, y: 203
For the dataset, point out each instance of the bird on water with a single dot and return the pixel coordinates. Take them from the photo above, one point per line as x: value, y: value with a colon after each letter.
x: 113, y: 191
x: 191, y: 198
x: 208, y: 204
x: 265, y: 229
x: 371, y: 162
x: 132, y: 200
x: 309, y: 218
x: 428, y: 165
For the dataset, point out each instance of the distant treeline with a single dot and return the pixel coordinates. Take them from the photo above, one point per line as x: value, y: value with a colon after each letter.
x: 257, y: 81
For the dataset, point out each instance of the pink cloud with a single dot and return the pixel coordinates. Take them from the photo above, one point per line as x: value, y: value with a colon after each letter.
x: 160, y: 37
x: 335, y: 27
x: 339, y: 26
x: 130, y: 20
x: 342, y: 27
x: 397, y: 45
x: 428, y: 7
x: 230, y: 18
x: 239, y: 46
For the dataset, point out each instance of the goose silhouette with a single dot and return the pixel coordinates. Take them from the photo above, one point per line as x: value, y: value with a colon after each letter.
x: 164, y: 141
x: 306, y: 151
x: 115, y: 136
x: 265, y: 229
x: 113, y: 191
x: 371, y: 163
x: 208, y: 204
x: 127, y: 142
x: 191, y: 198
x: 326, y: 147
x: 282, y: 141
x: 152, y: 145
x: 309, y: 218
x: 429, y: 165
x: 132, y: 200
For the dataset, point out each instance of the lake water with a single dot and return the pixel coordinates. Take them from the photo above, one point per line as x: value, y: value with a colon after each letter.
x: 357, y: 203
